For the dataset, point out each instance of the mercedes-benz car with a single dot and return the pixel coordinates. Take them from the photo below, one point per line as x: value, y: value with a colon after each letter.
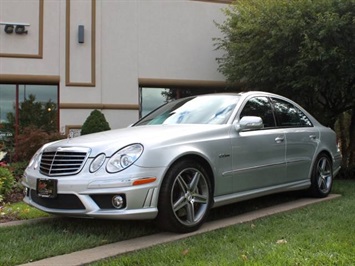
x: 184, y: 158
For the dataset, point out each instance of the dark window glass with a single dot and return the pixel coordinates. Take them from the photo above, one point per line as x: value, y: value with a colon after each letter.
x: 23, y: 105
x: 7, y: 100
x: 7, y: 105
x: 38, y: 106
x: 260, y: 106
x: 288, y: 115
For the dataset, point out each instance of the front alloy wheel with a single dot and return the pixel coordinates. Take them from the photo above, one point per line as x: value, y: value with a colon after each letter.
x: 185, y: 197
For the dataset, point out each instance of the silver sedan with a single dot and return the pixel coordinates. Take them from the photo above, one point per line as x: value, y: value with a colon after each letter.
x: 183, y: 159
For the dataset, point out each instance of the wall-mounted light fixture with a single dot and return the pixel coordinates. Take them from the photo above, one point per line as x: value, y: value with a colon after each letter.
x: 20, y: 28
x: 81, y: 34
x: 9, y: 29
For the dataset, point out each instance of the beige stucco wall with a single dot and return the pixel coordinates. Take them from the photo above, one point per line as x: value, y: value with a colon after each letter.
x: 125, y: 41
x: 21, y: 54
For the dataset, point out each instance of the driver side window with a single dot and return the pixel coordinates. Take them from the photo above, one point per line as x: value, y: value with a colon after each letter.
x: 260, y: 106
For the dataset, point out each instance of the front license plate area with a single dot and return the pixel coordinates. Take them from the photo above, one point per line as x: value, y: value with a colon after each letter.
x: 47, y: 188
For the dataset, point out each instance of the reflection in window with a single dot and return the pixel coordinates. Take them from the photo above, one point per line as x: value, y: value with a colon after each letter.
x: 288, y: 115
x: 193, y: 110
x: 7, y: 100
x: 23, y: 105
x: 261, y: 107
x: 38, y: 106
x: 151, y: 98
x: 7, y: 104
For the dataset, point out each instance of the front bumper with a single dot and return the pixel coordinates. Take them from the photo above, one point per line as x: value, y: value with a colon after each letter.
x: 85, y: 195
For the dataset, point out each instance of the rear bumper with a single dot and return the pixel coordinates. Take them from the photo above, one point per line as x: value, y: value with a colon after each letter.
x: 336, y: 164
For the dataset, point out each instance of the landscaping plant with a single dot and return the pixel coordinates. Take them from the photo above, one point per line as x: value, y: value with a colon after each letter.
x: 7, y: 182
x: 96, y: 122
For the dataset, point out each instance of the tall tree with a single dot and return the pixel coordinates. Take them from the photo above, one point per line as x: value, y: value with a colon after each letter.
x: 301, y: 49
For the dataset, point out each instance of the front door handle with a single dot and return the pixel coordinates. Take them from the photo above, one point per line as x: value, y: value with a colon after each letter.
x: 279, y: 139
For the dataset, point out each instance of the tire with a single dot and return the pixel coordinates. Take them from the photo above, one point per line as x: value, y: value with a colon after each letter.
x: 322, y: 177
x: 185, y: 197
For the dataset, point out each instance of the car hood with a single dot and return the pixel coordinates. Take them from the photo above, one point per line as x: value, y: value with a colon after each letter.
x: 149, y: 136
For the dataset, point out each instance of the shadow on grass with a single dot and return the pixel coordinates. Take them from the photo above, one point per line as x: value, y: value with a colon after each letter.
x: 246, y: 206
x: 118, y: 230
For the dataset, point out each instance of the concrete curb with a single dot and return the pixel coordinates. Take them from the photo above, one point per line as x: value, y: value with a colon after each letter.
x: 30, y: 221
x: 118, y: 248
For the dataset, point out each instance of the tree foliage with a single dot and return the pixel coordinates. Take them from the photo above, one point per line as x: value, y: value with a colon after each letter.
x: 35, y: 114
x: 96, y: 122
x: 301, y: 49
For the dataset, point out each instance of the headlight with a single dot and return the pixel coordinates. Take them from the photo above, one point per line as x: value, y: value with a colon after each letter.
x: 124, y: 158
x: 97, y: 162
x: 35, y: 160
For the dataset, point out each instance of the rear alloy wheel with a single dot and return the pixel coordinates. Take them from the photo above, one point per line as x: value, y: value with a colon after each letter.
x: 185, y: 197
x: 322, y: 177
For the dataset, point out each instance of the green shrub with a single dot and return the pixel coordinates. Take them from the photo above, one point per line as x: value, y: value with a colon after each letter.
x: 7, y: 181
x: 17, y: 169
x: 96, y: 122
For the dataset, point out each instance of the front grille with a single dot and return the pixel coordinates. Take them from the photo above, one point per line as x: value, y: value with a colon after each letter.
x: 63, y: 161
x: 62, y: 201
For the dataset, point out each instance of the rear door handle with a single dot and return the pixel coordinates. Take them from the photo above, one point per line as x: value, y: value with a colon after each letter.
x: 313, y: 137
x: 279, y: 139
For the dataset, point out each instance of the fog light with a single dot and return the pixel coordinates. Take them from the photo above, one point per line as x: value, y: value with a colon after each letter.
x: 117, y: 201
x: 25, y: 192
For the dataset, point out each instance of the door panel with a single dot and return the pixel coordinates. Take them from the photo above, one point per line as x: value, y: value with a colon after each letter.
x: 301, y: 146
x: 258, y: 159
x: 302, y: 139
x: 258, y: 155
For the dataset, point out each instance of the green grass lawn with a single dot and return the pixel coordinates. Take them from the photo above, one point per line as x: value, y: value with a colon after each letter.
x: 320, y: 234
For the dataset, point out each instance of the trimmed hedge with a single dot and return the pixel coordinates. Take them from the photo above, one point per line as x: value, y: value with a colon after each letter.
x: 96, y: 122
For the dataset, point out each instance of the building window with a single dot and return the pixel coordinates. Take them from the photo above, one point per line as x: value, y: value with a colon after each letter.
x: 23, y: 105
x: 7, y: 101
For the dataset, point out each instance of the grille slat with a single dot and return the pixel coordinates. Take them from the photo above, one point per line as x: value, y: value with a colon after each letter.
x: 63, y: 161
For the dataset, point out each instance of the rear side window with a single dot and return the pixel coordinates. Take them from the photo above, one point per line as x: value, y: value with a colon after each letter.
x: 288, y: 115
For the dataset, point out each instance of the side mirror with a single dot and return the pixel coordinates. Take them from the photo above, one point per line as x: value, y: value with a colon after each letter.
x: 249, y: 123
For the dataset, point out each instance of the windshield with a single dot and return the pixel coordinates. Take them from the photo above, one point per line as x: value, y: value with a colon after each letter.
x: 205, y: 109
